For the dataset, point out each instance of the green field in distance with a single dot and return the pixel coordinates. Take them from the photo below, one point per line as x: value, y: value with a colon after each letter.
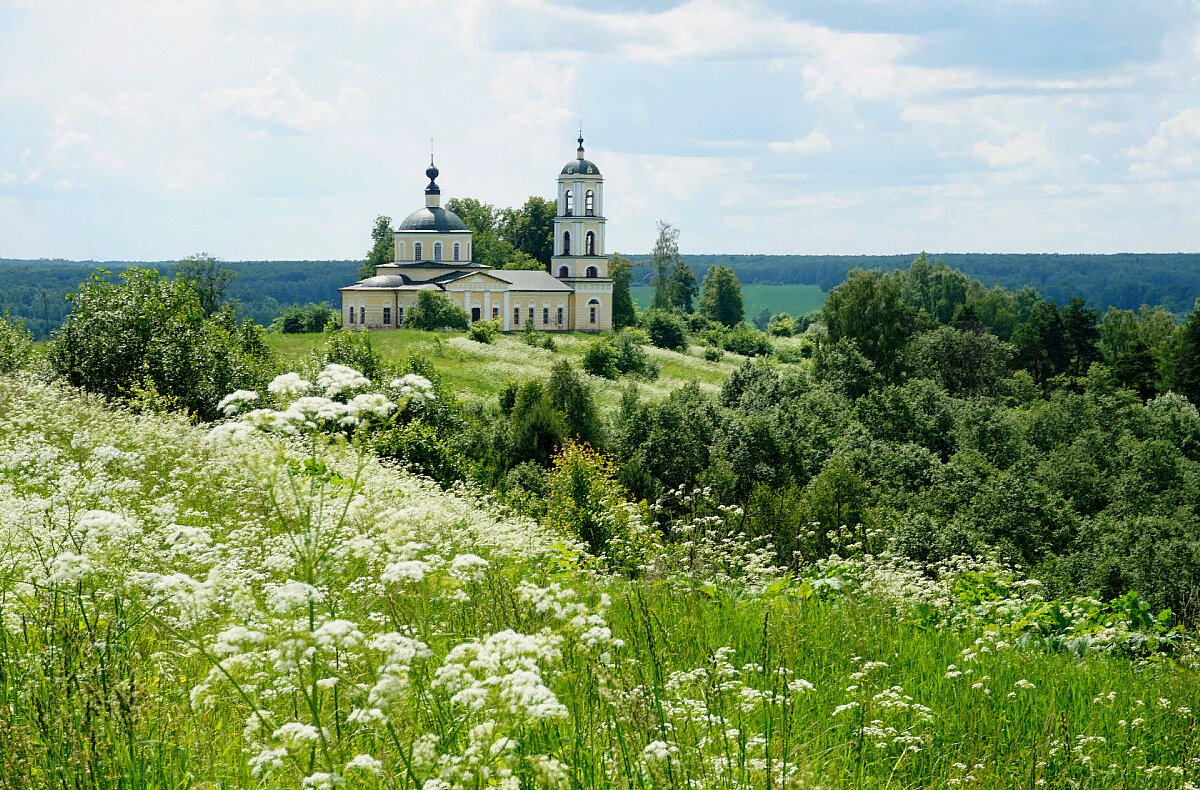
x: 793, y: 299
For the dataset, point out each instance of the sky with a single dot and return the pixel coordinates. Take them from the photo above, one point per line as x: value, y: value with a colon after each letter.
x: 279, y: 129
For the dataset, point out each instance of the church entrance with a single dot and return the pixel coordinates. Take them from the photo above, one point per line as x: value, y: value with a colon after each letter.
x: 474, y: 313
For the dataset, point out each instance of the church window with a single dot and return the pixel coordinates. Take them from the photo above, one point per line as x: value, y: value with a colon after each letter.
x: 456, y: 251
x: 362, y: 315
x: 417, y: 251
x: 560, y: 316
x: 545, y: 315
x: 352, y: 315
x: 591, y: 243
x: 592, y: 305
x: 570, y: 201
x: 387, y: 316
x: 592, y: 271
x: 566, y: 242
x: 517, y: 315
x: 531, y: 315
x: 399, y: 315
x: 437, y: 250
x: 589, y: 203
x: 495, y: 312
x: 563, y: 271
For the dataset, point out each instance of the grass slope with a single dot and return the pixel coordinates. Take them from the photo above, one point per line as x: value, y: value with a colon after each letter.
x: 185, y: 609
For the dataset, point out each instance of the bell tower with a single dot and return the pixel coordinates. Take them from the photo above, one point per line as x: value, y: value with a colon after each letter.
x: 579, y: 222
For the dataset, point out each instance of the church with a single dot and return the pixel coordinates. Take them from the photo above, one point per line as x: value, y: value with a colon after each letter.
x: 433, y: 253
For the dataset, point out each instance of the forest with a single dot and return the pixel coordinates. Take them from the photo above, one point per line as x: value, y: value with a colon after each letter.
x: 35, y: 290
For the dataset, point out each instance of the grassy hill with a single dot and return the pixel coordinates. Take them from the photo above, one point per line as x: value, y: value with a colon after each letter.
x: 225, y: 606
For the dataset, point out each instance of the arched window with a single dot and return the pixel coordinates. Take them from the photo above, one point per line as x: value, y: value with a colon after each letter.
x: 593, y: 304
x: 456, y: 251
x: 592, y: 271
x: 570, y: 203
x: 563, y: 271
x: 437, y: 250
x: 589, y: 203
x: 590, y: 246
x: 566, y: 242
x: 417, y: 251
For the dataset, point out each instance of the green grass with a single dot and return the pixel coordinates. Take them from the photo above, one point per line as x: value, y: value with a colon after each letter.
x: 143, y: 668
x: 793, y: 299
x: 475, y: 370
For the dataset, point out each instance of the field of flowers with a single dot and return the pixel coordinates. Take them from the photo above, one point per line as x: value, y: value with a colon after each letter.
x: 260, y: 605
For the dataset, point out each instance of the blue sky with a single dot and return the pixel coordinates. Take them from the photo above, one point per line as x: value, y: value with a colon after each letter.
x: 272, y: 129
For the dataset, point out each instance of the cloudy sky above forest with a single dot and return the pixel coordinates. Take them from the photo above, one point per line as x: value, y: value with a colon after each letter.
x: 278, y: 129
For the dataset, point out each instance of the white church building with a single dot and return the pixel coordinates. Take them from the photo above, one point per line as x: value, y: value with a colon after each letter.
x: 433, y: 253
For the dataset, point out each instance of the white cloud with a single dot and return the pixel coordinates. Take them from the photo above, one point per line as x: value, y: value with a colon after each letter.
x: 1024, y: 149
x: 279, y: 99
x: 814, y: 143
x: 1174, y: 149
x: 7, y: 177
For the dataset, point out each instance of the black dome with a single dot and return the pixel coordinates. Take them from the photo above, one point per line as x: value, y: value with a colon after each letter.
x: 433, y: 218
x: 580, y: 167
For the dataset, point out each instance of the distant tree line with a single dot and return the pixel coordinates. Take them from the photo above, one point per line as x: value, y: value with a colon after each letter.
x: 1126, y: 280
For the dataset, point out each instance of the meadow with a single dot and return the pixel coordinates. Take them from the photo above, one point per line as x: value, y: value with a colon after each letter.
x: 792, y: 299
x: 225, y: 606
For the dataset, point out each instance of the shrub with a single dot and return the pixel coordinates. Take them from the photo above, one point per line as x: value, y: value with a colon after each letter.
x: 714, y: 353
x: 585, y: 500
x: 781, y: 325
x: 354, y: 350
x: 666, y: 330
x: 537, y: 339
x: 421, y: 447
x: 310, y: 318
x: 148, y: 333
x: 484, y: 331
x: 600, y: 359
x: 747, y: 341
x: 434, y: 311
x: 631, y: 354
x: 15, y: 343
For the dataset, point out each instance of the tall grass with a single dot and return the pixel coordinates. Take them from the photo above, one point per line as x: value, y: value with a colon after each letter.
x: 231, y: 609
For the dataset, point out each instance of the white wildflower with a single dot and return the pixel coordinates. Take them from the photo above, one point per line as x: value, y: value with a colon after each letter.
x: 336, y: 379
x: 365, y: 762
x: 289, y: 385
x: 235, y: 401
x: 293, y: 595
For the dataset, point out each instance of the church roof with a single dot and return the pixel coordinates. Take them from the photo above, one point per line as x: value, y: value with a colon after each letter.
x: 432, y: 218
x: 523, y: 280
x: 580, y: 167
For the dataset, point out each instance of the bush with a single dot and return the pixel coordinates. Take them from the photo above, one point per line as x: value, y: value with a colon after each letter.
x: 714, y: 353
x: 666, y: 330
x: 485, y: 331
x: 148, y: 334
x: 600, y: 359
x: 310, y: 318
x: 434, y: 311
x: 632, y: 356
x: 781, y: 325
x: 537, y: 339
x: 747, y: 341
x: 421, y: 447
x: 15, y: 343
x: 354, y: 350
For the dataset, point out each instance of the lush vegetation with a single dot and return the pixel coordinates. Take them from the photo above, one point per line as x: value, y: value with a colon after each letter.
x: 943, y: 535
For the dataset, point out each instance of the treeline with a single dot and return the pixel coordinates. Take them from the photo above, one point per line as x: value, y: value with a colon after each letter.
x: 36, y: 291
x: 1126, y: 280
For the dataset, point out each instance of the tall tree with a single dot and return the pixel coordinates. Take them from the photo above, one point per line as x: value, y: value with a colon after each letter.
x: 665, y: 258
x: 1183, y: 365
x: 621, y: 271
x: 683, y: 287
x: 1042, y: 345
x: 867, y: 309
x: 530, y: 229
x: 383, y: 248
x: 1082, y: 335
x: 207, y: 277
x: 721, y: 296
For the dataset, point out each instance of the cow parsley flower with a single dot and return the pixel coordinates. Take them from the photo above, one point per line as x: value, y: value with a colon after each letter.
x: 289, y: 385
x: 69, y: 567
x: 234, y: 402
x: 293, y: 595
x: 336, y: 379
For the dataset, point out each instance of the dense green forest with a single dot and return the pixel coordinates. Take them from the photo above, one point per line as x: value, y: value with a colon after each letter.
x: 1126, y: 281
x: 35, y: 290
